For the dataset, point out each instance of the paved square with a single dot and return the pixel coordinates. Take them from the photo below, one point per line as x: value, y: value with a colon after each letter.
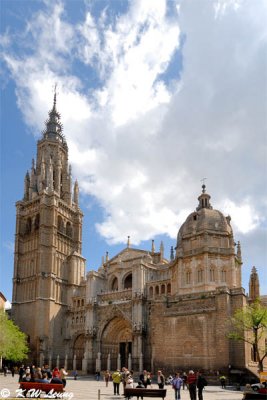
x: 88, y: 388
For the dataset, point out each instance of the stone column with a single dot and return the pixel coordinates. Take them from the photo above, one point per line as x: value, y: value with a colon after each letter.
x: 108, y: 363
x: 84, y: 364
x: 98, y: 362
x: 74, y: 362
x: 119, y: 362
x: 66, y: 362
x: 57, y: 361
x: 50, y: 361
x: 141, y: 364
x: 129, y: 362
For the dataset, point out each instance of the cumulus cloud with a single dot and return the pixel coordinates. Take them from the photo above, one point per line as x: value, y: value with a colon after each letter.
x: 169, y: 93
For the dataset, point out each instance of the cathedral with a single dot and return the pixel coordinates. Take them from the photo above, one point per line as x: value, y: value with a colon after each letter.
x: 139, y: 309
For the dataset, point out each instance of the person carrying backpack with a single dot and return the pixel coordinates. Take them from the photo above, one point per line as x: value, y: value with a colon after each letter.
x: 201, y: 383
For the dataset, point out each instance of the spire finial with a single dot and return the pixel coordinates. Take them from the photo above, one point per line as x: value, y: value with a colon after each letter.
x: 55, y: 95
x: 128, y: 242
x: 203, y: 185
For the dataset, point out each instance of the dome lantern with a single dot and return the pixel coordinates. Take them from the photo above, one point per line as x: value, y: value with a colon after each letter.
x: 204, y: 199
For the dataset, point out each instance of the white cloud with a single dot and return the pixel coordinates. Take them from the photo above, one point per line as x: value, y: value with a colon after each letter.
x: 8, y: 305
x: 139, y: 141
x: 244, y: 216
x: 9, y: 246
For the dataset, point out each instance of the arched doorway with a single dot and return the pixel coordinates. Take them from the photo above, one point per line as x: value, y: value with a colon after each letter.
x: 78, y: 350
x: 116, y: 339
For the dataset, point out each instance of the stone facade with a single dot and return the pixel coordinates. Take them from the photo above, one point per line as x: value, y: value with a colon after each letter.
x: 138, y: 309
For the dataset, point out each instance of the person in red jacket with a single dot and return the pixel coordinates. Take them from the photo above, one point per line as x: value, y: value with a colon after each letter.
x: 192, y: 385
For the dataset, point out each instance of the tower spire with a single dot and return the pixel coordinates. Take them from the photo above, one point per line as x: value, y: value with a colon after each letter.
x: 54, y: 127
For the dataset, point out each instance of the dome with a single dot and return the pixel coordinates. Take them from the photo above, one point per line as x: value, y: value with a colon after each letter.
x: 204, y: 220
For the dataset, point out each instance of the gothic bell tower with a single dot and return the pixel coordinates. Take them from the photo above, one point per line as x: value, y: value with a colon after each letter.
x: 47, y: 264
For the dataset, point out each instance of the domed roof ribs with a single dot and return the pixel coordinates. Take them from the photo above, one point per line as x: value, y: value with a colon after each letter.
x: 204, y: 199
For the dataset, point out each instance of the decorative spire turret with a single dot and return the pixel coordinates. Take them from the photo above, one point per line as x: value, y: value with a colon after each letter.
x: 254, y: 285
x: 161, y: 250
x: 50, y: 182
x: 172, y: 254
x: 26, y: 186
x: 153, y: 247
x: 32, y: 187
x: 238, y: 252
x: 128, y: 242
x: 76, y: 193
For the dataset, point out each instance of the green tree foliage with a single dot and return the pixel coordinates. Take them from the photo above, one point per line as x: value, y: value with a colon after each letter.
x: 13, y: 343
x: 250, y: 325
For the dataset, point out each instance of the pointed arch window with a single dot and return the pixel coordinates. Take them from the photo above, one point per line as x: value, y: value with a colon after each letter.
x: 169, y: 288
x: 223, y: 275
x: 188, y: 277
x: 28, y: 227
x: 114, y: 284
x: 212, y: 275
x: 60, y: 224
x: 151, y: 291
x: 162, y: 289
x: 37, y: 222
x: 128, y: 282
x: 69, y: 229
x: 200, y: 275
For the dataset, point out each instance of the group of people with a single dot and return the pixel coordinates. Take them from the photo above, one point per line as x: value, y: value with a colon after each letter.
x: 42, y: 375
x: 194, y: 382
x: 125, y: 377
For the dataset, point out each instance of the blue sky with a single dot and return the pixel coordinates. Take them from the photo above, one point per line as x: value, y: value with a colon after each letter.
x: 154, y: 95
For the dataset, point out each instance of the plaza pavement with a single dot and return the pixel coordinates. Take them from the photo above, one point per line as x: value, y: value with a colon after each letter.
x: 87, y: 388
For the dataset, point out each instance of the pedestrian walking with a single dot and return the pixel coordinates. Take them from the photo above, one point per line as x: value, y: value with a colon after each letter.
x: 201, y: 383
x: 160, y: 380
x: 184, y: 378
x: 116, y: 377
x: 223, y: 381
x: 177, y: 383
x: 192, y: 380
x: 107, y: 377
